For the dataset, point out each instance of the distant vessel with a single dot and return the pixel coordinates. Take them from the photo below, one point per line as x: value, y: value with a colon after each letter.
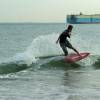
x: 83, y: 19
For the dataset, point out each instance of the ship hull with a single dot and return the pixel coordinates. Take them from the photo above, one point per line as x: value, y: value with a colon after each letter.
x: 83, y: 19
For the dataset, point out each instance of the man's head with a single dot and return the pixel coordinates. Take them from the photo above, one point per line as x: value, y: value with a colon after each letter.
x: 70, y: 27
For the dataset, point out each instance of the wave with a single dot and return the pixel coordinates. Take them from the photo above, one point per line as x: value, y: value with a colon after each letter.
x: 12, y: 68
x: 56, y: 62
x: 41, y: 51
x: 97, y: 64
x: 18, y: 62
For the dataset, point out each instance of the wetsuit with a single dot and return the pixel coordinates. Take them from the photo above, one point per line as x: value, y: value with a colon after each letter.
x: 64, y: 41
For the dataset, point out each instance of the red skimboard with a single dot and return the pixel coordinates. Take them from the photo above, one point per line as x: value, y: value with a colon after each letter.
x: 72, y: 58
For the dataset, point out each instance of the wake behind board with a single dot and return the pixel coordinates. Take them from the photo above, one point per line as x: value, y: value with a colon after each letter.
x: 72, y: 58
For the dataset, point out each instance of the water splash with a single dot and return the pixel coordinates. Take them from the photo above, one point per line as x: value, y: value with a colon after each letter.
x: 45, y: 46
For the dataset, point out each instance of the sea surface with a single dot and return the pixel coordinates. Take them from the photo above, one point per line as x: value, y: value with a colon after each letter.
x: 31, y: 67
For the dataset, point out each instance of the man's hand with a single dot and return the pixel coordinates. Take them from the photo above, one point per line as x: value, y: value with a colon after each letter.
x: 70, y: 34
x: 56, y: 41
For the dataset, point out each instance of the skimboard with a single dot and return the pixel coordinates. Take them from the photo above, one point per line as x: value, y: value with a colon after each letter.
x: 72, y: 58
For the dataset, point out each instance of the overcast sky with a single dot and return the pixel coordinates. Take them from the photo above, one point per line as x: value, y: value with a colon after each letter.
x: 45, y: 10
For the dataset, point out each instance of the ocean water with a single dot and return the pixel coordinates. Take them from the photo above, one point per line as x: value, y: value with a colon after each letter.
x: 31, y: 70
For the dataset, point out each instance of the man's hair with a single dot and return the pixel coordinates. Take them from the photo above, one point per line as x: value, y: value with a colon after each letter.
x: 70, y: 27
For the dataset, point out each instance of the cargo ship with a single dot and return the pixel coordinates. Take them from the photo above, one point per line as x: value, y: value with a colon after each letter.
x: 83, y: 19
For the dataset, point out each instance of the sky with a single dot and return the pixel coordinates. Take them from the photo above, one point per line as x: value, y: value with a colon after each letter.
x: 45, y: 10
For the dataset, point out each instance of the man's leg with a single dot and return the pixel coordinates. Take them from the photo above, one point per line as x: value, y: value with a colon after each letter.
x: 71, y: 47
x: 75, y: 51
x: 64, y: 49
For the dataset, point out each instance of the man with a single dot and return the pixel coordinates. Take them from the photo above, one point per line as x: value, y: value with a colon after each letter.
x: 63, y: 41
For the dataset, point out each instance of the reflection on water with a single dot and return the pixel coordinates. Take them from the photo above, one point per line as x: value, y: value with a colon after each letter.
x: 83, y: 85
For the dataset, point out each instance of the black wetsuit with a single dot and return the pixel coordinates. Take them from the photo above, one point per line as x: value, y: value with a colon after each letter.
x: 64, y: 41
x: 63, y: 36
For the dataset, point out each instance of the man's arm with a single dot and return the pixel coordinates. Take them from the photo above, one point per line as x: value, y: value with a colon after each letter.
x: 57, y: 40
x: 69, y: 35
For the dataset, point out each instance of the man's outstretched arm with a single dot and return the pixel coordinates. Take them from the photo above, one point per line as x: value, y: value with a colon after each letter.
x: 58, y: 39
